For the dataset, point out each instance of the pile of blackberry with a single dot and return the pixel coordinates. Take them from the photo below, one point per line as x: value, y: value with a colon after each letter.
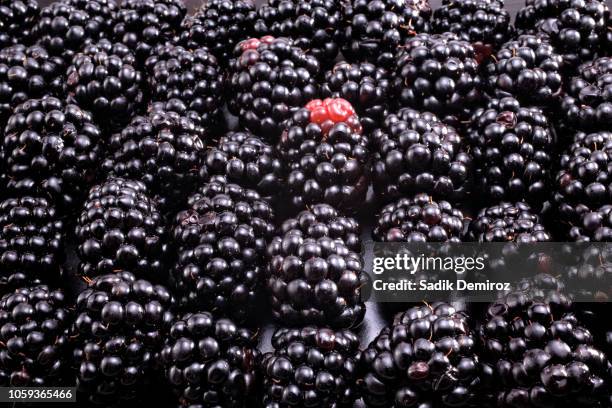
x: 17, y: 18
x: 508, y: 222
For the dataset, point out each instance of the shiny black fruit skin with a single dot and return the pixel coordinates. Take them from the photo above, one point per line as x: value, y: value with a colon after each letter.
x: 17, y: 19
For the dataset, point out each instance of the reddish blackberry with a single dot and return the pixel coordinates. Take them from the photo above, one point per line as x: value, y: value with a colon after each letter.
x: 439, y: 73
x: 33, y: 338
x: 587, y: 102
x: 103, y: 79
x: 527, y: 69
x: 512, y: 146
x: 219, y: 25
x: 420, y: 219
x: 314, y: 25
x: 211, y: 362
x: 221, y: 240
x: 414, y: 152
x: 311, y: 367
x: 315, y: 272
x: 121, y: 229
x: 365, y: 86
x: 120, y: 326
x: 477, y: 21
x: 270, y: 79
x: 17, y: 18
x: 427, y: 358
x: 326, y: 155
x: 374, y: 29
x: 508, y: 222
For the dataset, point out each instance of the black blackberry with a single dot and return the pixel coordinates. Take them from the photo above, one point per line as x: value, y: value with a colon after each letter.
x: 477, y: 21
x: 419, y: 219
x: 512, y: 145
x: 53, y: 147
x: 315, y: 270
x: 427, y: 358
x: 365, y: 86
x: 120, y: 228
x: 103, y: 12
x: 221, y: 240
x: 594, y: 226
x: 508, y: 222
x: 219, y: 25
x: 33, y: 338
x: 578, y: 29
x: 193, y: 76
x: 326, y: 155
x: 375, y: 29
x: 248, y: 161
x: 439, y: 73
x: 314, y: 25
x: 103, y: 79
x: 211, y: 362
x: 587, y: 102
x: 414, y: 152
x: 527, y: 69
x: 178, y: 106
x: 120, y: 326
x: 270, y: 79
x: 17, y: 18
x: 311, y: 367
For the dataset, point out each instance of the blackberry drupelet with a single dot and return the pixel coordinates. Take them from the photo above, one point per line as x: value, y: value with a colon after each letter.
x: 594, y: 226
x: 477, y: 21
x: 527, y: 69
x: 17, y: 18
x: 508, y: 222
x: 219, y: 25
x: 120, y: 327
x: 34, y: 343
x: 120, y: 228
x: 270, y: 79
x: 211, y: 362
x: 326, y: 156
x: 365, y: 86
x: 375, y: 29
x: 419, y: 219
x: 439, y: 73
x: 220, y: 241
x: 314, y: 25
x: 248, y: 161
x: 103, y: 79
x: 414, y: 152
x: 427, y: 358
x: 587, y: 102
x: 315, y: 270
x: 311, y: 367
x: 512, y: 145
x: 51, y: 147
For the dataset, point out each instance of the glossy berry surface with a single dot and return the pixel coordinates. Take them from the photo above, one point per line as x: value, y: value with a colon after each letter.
x: 16, y: 21
x: 508, y: 222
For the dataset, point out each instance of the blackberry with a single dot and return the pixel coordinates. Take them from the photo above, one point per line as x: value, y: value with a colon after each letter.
x: 326, y: 155
x: 375, y: 29
x: 508, y: 222
x: 512, y: 146
x: 594, y: 226
x: 211, y: 362
x: 311, y: 367
x: 270, y: 80
x: 414, y: 152
x: 315, y: 270
x: 17, y: 18
x: 587, y: 102
x: 439, y: 73
x: 219, y: 25
x: 247, y: 161
x: 103, y: 12
x: 178, y: 106
x: 477, y: 21
x: 577, y: 29
x: 365, y: 86
x: 314, y: 25
x: 34, y: 341
x: 527, y: 69
x: 193, y: 76
x: 419, y: 219
x: 120, y: 326
x: 426, y: 358
x: 53, y: 147
x: 221, y: 240
x: 103, y: 79
x: 120, y: 228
